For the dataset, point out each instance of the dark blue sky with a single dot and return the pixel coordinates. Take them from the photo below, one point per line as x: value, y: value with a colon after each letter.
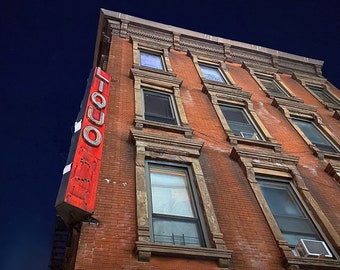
x: 46, y: 54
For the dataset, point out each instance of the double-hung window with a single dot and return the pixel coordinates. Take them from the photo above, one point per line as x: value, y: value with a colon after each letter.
x: 240, y: 122
x: 159, y: 107
x: 153, y: 60
x: 315, y: 135
x: 175, y: 216
x: 212, y: 73
x: 322, y: 94
x: 272, y: 86
x: 289, y: 213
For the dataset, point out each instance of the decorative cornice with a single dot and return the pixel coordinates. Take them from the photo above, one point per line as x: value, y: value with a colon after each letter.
x: 149, y: 34
x: 203, y: 48
x: 204, y: 45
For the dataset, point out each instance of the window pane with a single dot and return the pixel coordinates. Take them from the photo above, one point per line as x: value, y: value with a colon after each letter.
x: 315, y: 135
x: 170, y: 193
x: 288, y: 212
x: 300, y: 226
x: 172, y: 207
x: 157, y: 107
x: 234, y: 114
x: 212, y: 73
x: 176, y: 232
x: 320, y: 92
x: 272, y: 86
x: 239, y: 122
x: 280, y: 201
x: 151, y: 60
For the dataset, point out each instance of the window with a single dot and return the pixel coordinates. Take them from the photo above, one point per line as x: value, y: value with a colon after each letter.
x: 152, y: 60
x: 239, y: 122
x: 314, y: 134
x: 173, y: 207
x: 171, y: 197
x: 159, y: 107
x: 212, y: 73
x: 287, y: 210
x: 271, y: 85
x: 322, y: 94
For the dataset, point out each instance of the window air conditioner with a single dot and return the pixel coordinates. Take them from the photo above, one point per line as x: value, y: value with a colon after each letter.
x: 313, y: 248
x: 249, y: 135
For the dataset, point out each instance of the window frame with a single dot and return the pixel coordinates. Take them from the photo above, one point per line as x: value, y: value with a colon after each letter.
x: 298, y: 202
x: 151, y: 48
x: 332, y: 101
x: 274, y: 80
x: 271, y: 74
x: 267, y: 140
x: 319, y: 82
x: 308, y: 113
x: 221, y: 68
x: 217, y: 68
x: 283, y: 166
x: 198, y: 214
x: 161, y: 83
x: 172, y: 105
x: 158, y: 54
x: 318, y: 130
x: 168, y: 149
x: 248, y: 117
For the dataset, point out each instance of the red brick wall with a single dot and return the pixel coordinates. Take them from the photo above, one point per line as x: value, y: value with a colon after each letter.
x: 111, y: 244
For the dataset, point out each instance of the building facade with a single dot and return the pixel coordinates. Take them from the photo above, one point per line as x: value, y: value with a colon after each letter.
x: 198, y: 152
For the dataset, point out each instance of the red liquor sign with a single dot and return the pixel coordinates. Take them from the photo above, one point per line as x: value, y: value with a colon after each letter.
x: 77, y: 192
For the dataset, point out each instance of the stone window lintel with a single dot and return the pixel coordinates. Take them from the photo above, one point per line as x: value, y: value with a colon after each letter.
x: 252, y: 69
x: 333, y: 169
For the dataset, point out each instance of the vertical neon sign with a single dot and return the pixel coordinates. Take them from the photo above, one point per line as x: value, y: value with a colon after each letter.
x: 77, y: 192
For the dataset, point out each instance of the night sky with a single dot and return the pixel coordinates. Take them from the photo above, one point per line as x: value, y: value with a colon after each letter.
x: 46, y: 54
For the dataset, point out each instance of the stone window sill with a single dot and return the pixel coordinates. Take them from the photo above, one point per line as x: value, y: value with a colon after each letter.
x: 235, y: 140
x: 324, y: 154
x: 146, y: 249
x: 311, y: 263
x: 155, y: 70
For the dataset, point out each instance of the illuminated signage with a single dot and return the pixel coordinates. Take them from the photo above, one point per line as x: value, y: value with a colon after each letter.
x: 77, y: 192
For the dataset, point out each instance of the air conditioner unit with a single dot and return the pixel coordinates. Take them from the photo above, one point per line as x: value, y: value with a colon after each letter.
x: 313, y: 248
x: 249, y: 135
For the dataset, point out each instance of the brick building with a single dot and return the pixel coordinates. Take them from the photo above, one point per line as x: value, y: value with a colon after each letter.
x: 198, y: 152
